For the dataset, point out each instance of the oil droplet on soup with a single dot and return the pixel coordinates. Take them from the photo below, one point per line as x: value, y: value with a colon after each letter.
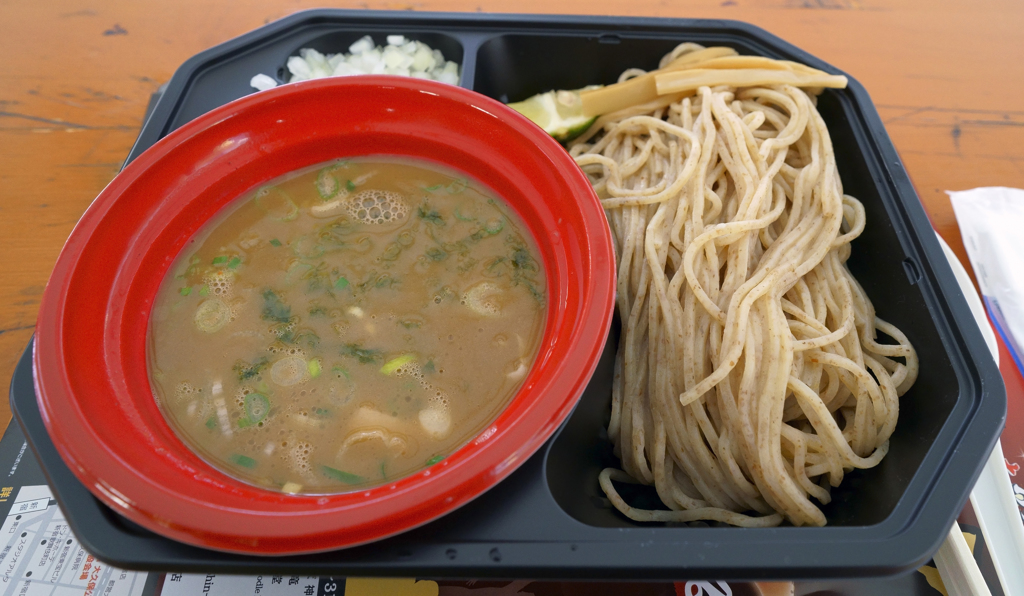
x: 347, y: 325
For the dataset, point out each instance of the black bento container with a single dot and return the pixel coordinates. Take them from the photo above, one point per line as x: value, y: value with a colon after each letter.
x: 550, y: 520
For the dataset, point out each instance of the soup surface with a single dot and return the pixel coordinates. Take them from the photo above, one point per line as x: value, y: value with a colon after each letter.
x: 346, y: 325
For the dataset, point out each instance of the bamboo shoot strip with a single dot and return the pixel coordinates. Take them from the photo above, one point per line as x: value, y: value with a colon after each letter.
x: 687, y: 80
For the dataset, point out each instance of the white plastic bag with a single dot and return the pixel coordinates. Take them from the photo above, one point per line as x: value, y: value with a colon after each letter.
x: 992, y: 225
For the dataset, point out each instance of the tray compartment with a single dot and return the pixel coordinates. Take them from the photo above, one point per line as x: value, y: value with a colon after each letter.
x: 202, y: 83
x: 336, y: 42
x: 512, y: 67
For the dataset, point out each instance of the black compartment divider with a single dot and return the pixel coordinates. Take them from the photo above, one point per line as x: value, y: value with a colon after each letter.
x: 550, y: 519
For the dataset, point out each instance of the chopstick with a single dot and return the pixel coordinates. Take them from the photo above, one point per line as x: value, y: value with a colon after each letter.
x: 957, y: 567
x: 992, y: 500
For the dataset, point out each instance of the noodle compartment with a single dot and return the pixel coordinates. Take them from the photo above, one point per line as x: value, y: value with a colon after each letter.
x: 752, y: 373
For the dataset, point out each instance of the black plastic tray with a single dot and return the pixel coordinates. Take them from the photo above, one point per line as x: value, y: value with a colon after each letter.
x: 550, y: 520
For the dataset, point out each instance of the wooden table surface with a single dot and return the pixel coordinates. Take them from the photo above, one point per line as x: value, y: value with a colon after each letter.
x: 947, y: 77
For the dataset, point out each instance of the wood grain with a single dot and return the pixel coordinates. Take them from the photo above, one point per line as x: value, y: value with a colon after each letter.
x: 946, y: 76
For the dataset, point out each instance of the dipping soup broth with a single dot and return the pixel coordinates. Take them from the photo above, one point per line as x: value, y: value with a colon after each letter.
x: 347, y: 325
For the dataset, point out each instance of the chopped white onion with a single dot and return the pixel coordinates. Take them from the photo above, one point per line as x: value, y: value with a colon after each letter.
x: 364, y: 44
x: 401, y: 56
x: 262, y: 82
x: 299, y: 69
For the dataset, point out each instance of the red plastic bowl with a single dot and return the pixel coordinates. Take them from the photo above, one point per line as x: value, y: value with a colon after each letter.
x: 90, y: 350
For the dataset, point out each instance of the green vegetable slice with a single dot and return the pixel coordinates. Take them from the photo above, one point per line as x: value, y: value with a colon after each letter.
x: 212, y: 315
x: 559, y: 113
x: 340, y: 476
x: 396, y: 363
x: 326, y: 184
x: 484, y: 298
x: 242, y: 460
x: 493, y: 226
x: 277, y: 203
x: 256, y: 407
x: 458, y: 185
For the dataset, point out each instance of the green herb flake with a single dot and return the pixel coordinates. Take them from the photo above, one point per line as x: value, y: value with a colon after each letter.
x: 341, y: 284
x: 321, y: 413
x: 274, y: 309
x: 314, y: 368
x: 234, y: 263
x: 242, y: 460
x: 246, y: 371
x: 383, y: 469
x: 435, y: 459
x: 319, y: 279
x: 220, y: 260
x: 436, y: 254
x: 340, y: 476
x: 427, y: 213
x: 429, y: 367
x: 211, y: 422
x: 275, y: 242
x: 351, y: 186
x: 185, y: 291
x: 364, y: 355
x: 522, y: 260
x: 204, y: 291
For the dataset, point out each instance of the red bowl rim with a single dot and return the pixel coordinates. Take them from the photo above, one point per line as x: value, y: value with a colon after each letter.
x: 310, y: 523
